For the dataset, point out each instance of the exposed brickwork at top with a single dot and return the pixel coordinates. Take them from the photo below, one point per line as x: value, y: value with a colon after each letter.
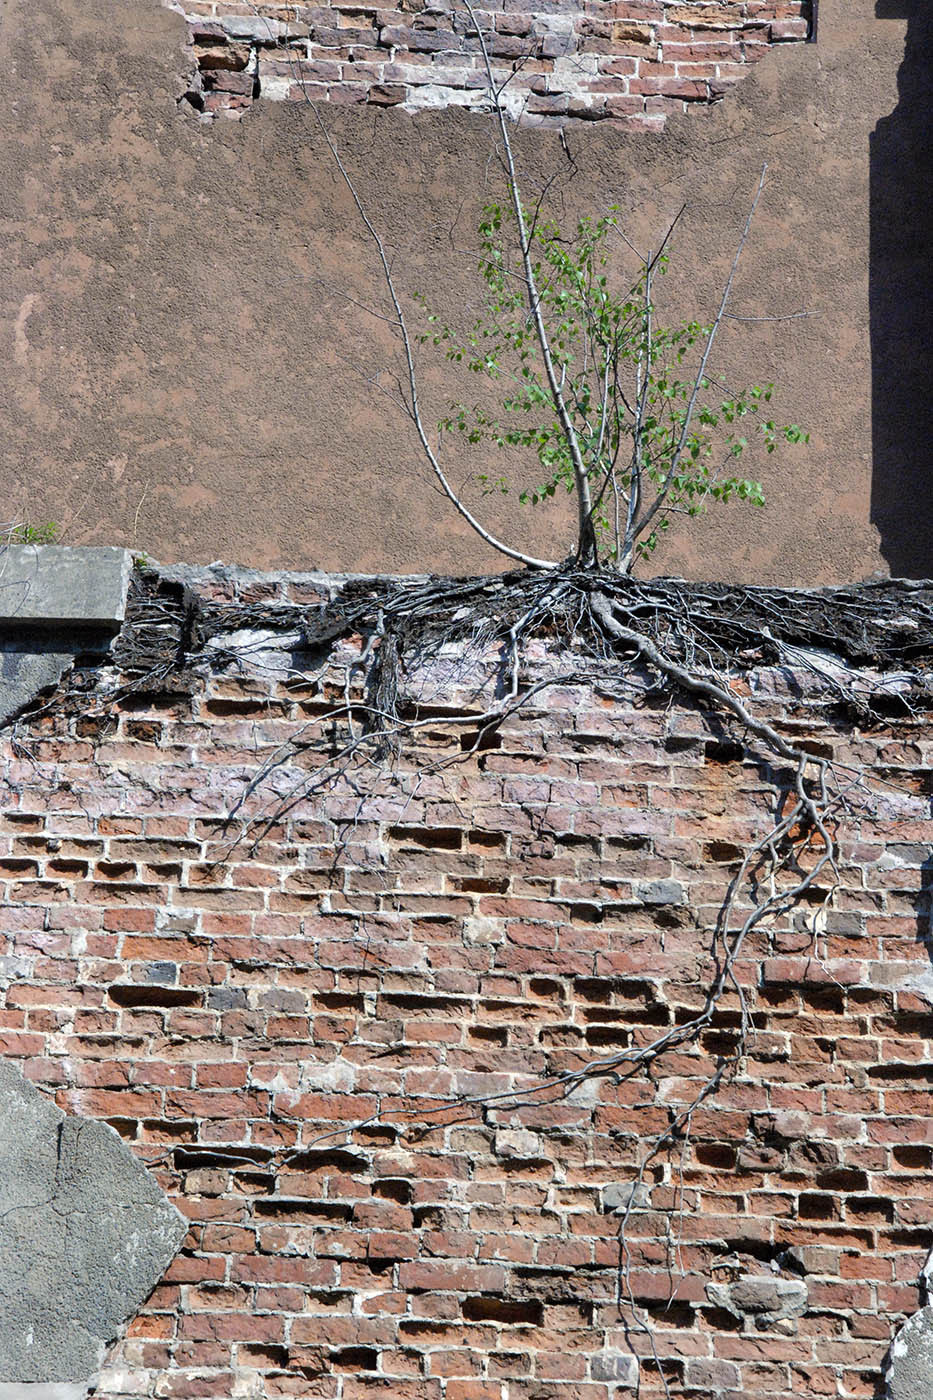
x: 631, y: 61
x: 546, y: 898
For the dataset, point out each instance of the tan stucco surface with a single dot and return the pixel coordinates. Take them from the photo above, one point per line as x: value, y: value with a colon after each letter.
x: 183, y: 374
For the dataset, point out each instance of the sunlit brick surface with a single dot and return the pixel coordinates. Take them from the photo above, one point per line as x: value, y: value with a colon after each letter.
x: 277, y: 1030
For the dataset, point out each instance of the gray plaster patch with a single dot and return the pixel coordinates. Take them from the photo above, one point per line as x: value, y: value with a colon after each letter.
x: 85, y: 1234
x: 910, y: 1360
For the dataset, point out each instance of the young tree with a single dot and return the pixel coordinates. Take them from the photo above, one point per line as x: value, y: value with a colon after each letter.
x: 621, y: 411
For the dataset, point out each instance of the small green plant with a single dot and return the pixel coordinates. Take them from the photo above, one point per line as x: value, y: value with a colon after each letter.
x: 46, y: 533
x: 586, y: 378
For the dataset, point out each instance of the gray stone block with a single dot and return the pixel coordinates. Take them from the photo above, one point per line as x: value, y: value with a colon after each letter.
x: 618, y: 1366
x: 761, y: 1301
x: 621, y: 1196
x: 910, y: 1360
x: 85, y: 1234
x: 660, y: 892
x: 52, y: 585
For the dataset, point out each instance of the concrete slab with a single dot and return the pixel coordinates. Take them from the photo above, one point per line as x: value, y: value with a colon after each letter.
x: 85, y: 1234
x: 51, y: 585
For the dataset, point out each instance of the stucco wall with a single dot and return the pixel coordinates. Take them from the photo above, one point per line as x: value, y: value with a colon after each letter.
x: 183, y: 375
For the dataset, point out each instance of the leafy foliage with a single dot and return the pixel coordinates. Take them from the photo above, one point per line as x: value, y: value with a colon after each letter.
x: 655, y: 441
x: 46, y: 533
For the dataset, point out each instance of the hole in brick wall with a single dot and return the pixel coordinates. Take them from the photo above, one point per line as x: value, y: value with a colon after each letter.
x: 518, y: 1166
x: 115, y: 869
x: 672, y: 1371
x: 913, y: 1158
x: 478, y: 741
x: 722, y: 852
x: 586, y: 913
x: 474, y: 884
x: 681, y: 744
x: 716, y: 1154
x: 560, y: 1035
x: 750, y: 1248
x: 128, y: 1128
x: 598, y: 989
x: 829, y: 1000
x: 504, y: 1310
x: 874, y: 1208
x: 608, y: 1035
x: 419, y: 1329
x: 131, y: 995
x: 295, y: 1207
x: 418, y: 1001
x: 489, y: 840
x: 438, y: 838
x: 719, y: 1320
x: 669, y: 918
x: 909, y: 1071
x: 812, y: 1206
x: 246, y: 709
x: 190, y: 1158
x: 572, y: 842
x: 546, y: 987
x: 628, y: 843
x: 429, y: 1218
x: 379, y: 1134
x: 917, y: 1024
x: 355, y: 1359
x: 340, y: 1001
x: 917, y: 780
x: 393, y: 1188
x: 719, y: 1042
x: 842, y: 1179
x: 173, y: 704
x: 493, y: 1035
x: 723, y: 751
x: 316, y: 1159
x: 156, y: 1130
x: 675, y: 1314
x: 908, y: 1239
x: 261, y: 1357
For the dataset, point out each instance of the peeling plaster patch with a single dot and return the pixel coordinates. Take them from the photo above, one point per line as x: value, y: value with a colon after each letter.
x: 85, y: 1234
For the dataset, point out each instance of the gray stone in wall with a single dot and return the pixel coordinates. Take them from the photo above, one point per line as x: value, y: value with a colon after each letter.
x: 910, y: 1360
x: 55, y: 602
x: 761, y: 1302
x: 85, y: 1234
x: 52, y: 585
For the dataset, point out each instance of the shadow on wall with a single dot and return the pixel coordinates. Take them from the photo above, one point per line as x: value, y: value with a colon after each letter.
x: 901, y: 301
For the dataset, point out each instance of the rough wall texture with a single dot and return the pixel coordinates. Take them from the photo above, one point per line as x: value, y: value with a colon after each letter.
x: 182, y: 374
x: 629, y: 60
x: 272, y: 1030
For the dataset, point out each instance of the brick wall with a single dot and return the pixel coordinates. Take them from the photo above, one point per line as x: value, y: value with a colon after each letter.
x: 632, y: 61
x: 276, y: 1031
